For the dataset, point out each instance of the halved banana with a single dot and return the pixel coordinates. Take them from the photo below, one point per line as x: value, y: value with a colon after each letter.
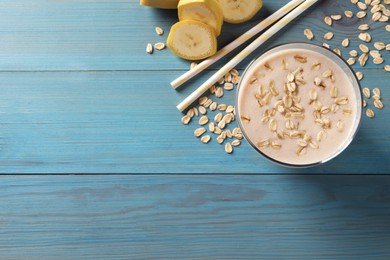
x: 239, y: 11
x: 205, y: 11
x: 192, y: 40
x: 163, y: 4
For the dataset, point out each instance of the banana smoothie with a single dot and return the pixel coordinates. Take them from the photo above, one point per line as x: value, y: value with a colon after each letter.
x: 298, y: 107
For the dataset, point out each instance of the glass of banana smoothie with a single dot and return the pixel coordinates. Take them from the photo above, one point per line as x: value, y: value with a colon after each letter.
x: 299, y: 104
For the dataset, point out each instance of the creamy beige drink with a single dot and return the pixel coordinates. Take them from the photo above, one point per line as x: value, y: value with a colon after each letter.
x: 298, y: 107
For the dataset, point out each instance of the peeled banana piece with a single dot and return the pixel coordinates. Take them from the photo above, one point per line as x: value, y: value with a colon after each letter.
x: 163, y: 4
x: 192, y: 40
x: 239, y: 11
x: 206, y: 11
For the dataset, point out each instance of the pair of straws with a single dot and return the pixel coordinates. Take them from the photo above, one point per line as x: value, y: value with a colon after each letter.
x: 289, y: 12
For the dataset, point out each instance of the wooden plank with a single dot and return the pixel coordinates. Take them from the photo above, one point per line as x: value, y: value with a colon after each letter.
x: 127, y: 122
x: 195, y: 217
x: 112, y: 35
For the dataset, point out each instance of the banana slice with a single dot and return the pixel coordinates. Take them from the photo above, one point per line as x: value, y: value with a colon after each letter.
x: 163, y: 4
x: 239, y: 11
x: 205, y: 11
x: 192, y: 40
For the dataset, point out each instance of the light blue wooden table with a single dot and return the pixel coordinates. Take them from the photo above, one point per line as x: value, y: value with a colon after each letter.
x: 96, y: 164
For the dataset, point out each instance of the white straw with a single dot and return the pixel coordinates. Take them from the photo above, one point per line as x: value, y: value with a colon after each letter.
x: 244, y: 53
x: 236, y: 43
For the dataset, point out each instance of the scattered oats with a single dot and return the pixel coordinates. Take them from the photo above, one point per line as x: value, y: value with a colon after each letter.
x: 376, y: 92
x: 359, y: 75
x: 362, y: 5
x: 345, y: 42
x: 348, y: 13
x: 300, y: 58
x: 159, y: 30
x: 313, y: 94
x: 211, y: 127
x: 218, y: 117
x: 378, y: 103
x: 205, y: 139
x: 375, y: 8
x: 220, y: 139
x: 212, y: 89
x: 340, y: 126
x: 159, y: 46
x: 328, y: 36
x: 202, y: 110
x: 202, y: 100
x: 326, y: 45
x: 149, y: 48
x: 388, y: 27
x: 375, y: 54
x: 364, y: 36
x: 236, y: 142
x: 366, y: 92
x: 221, y: 107
x: 378, y: 60
x: 353, y: 53
x: 190, y: 112
x: 218, y: 92
x: 387, y: 68
x: 337, y: 50
x: 229, y: 109
x: 217, y: 130
x: 379, y: 45
x: 375, y: 2
x: 363, y: 59
x: 228, y: 86
x: 228, y: 77
x: 354, y: 1
x: 203, y: 120
x: 376, y: 16
x: 351, y: 61
x: 364, y: 27
x: 186, y: 120
x: 199, y: 131
x: 367, y: 2
x: 336, y: 17
x: 222, y: 124
x: 228, y: 148
x: 370, y: 113
x: 361, y: 14
x: 364, y: 103
x: 213, y: 106
x: 328, y: 20
x: 309, y: 34
x: 364, y: 48
x: 388, y: 47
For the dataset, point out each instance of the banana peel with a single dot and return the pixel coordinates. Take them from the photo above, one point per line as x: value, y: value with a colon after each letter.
x: 162, y: 4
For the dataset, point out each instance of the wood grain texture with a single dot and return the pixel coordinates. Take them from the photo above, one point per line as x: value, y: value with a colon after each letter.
x: 195, y: 217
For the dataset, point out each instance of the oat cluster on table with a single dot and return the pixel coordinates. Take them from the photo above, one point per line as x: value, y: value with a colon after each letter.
x: 158, y: 45
x: 216, y: 126
x: 377, y: 12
